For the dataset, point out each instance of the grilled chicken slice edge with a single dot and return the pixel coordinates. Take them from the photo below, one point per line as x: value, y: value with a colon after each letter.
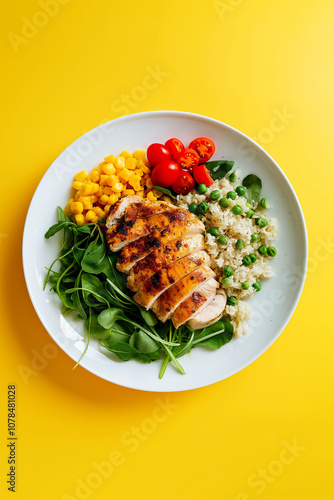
x: 210, y: 314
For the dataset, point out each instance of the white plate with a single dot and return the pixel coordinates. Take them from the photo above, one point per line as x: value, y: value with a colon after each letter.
x: 272, y: 307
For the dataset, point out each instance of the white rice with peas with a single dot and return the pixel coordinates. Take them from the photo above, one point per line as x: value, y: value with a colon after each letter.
x: 234, y: 227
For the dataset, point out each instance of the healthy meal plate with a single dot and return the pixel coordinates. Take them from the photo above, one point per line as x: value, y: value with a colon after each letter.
x: 164, y: 251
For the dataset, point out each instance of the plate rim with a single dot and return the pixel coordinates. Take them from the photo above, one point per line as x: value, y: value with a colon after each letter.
x: 183, y: 114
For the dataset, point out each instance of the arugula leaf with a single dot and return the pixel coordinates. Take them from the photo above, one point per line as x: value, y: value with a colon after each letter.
x: 149, y: 317
x: 219, y: 168
x: 57, y: 227
x: 125, y: 352
x: 165, y: 191
x: 93, y: 260
x: 62, y: 217
x: 143, y: 343
x: 253, y: 185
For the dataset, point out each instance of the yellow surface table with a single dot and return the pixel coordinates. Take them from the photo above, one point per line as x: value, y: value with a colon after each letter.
x: 266, y: 432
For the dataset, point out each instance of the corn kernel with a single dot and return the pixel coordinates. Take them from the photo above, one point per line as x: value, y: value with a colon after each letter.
x: 99, y: 212
x: 144, y: 169
x: 119, y: 162
x: 76, y: 207
x: 95, y: 175
x: 166, y: 198
x: 149, y: 183
x: 91, y: 216
x: 124, y: 175
x: 77, y: 195
x: 137, y: 171
x: 81, y: 176
x: 79, y: 219
x: 134, y: 180
x: 67, y: 210
x: 85, y: 189
x: 102, y: 164
x: 140, y: 155
x: 131, y: 163
x: 77, y: 185
x: 109, y: 159
x: 113, y: 198
x: 109, y: 169
x: 112, y: 180
x: 94, y: 198
x: 100, y: 192
x: 143, y: 181
x: 129, y: 192
x: 117, y: 188
x: 107, y: 190
x: 94, y: 187
x: 103, y: 179
x: 104, y: 199
x: 107, y: 208
x: 156, y: 193
x: 126, y: 154
x: 151, y: 197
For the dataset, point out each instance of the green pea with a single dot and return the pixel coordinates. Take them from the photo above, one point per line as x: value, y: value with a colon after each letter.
x: 214, y: 231
x: 272, y: 251
x: 202, y: 188
x: 227, y: 281
x: 247, y: 261
x: 257, y: 286
x: 265, y: 203
x: 262, y: 250
x: 253, y: 257
x: 228, y: 271
x: 245, y: 285
x: 231, y: 195
x: 240, y: 190
x: 215, y: 195
x: 223, y: 240
x: 233, y: 176
x: 255, y: 238
x: 240, y: 244
x: 250, y: 213
x: 237, y: 210
x: 232, y: 301
x: 249, y: 205
x: 193, y: 208
x: 203, y: 207
x: 261, y: 222
x: 200, y: 216
x: 224, y: 203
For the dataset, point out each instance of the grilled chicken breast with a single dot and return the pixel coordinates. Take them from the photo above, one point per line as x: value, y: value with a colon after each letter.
x: 126, y: 232
x: 162, y: 257
x: 135, y: 207
x: 139, y: 249
x: 166, y: 277
x: 210, y: 314
x: 197, y: 301
x: 168, y: 301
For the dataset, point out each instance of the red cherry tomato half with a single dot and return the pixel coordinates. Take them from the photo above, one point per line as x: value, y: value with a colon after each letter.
x: 202, y: 175
x: 184, y: 183
x: 156, y: 153
x: 175, y: 147
x: 204, y: 148
x: 188, y: 159
x: 165, y: 173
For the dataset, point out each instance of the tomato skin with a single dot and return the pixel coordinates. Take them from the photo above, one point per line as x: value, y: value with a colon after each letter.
x: 175, y: 146
x: 184, y: 183
x: 204, y: 148
x: 165, y: 173
x: 202, y: 175
x: 156, y: 153
x: 188, y: 159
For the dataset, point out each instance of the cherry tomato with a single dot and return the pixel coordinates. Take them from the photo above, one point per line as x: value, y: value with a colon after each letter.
x: 204, y: 148
x: 188, y: 159
x: 175, y: 147
x: 157, y: 152
x: 202, y: 175
x: 165, y: 173
x: 184, y: 183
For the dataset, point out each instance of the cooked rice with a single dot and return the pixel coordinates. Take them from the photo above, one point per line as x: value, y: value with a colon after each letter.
x: 235, y: 227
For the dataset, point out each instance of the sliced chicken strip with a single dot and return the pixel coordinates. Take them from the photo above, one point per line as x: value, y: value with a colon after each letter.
x: 195, y: 302
x: 162, y: 257
x: 124, y: 233
x: 210, y: 314
x: 132, y: 207
x: 139, y: 249
x: 166, y: 277
x: 171, y: 298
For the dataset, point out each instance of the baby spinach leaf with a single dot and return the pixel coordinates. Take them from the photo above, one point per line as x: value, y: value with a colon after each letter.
x: 93, y: 260
x: 216, y: 335
x: 143, y: 343
x: 109, y: 316
x: 149, y: 317
x: 96, y: 329
x: 165, y: 191
x: 253, y: 185
x: 125, y: 352
x: 219, y: 168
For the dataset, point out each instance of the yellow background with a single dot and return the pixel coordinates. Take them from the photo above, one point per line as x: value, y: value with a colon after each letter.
x: 233, y: 60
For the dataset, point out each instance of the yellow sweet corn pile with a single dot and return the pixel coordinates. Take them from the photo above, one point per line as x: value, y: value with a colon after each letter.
x: 115, y: 177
